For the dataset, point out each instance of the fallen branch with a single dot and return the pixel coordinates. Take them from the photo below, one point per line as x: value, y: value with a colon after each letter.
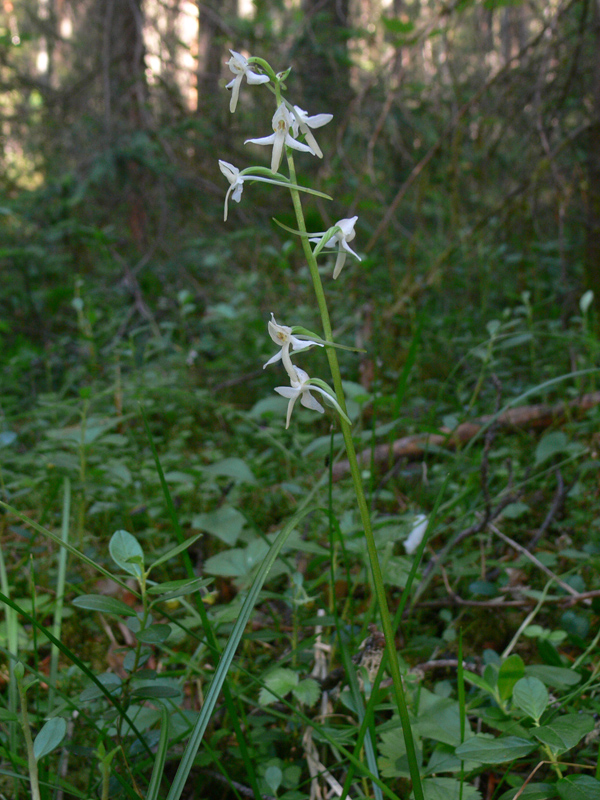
x: 416, y: 445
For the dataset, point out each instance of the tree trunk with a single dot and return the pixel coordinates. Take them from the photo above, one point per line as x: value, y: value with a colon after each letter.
x: 592, y: 255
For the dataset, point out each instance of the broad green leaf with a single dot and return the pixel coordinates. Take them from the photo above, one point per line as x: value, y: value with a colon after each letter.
x: 235, y: 468
x: 494, y: 751
x: 531, y: 696
x: 108, y: 605
x: 127, y: 553
x: 158, y: 690
x: 550, y: 444
x: 281, y: 681
x: 448, y: 789
x: 578, y: 787
x: 440, y: 722
x: 512, y: 669
x: 154, y: 634
x: 564, y: 732
x: 533, y: 791
x: 109, y: 681
x: 273, y: 778
x: 225, y: 523
x: 477, y: 680
x: 49, y: 737
x: 307, y: 691
x: 557, y: 677
x: 174, y: 551
x: 393, y: 761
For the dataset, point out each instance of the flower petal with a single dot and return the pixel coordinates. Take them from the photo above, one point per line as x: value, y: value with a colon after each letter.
x: 339, y: 263
x: 254, y: 78
x: 263, y: 140
x: 308, y: 401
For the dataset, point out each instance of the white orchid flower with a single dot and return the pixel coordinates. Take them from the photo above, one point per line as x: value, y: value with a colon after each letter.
x: 340, y: 240
x: 240, y: 67
x: 237, y: 184
x: 282, y: 335
x: 301, y: 388
x: 282, y: 122
x: 305, y: 123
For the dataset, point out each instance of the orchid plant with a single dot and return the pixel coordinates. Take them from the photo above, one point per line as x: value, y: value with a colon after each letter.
x: 293, y: 131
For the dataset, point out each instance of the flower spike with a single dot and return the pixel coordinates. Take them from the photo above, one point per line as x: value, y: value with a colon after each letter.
x: 240, y: 67
x: 282, y: 122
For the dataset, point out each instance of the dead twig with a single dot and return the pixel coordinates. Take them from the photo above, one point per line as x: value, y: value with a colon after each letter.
x: 417, y: 445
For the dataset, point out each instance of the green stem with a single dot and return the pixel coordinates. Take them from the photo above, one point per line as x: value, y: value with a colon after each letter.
x: 33, y: 768
x: 360, y: 494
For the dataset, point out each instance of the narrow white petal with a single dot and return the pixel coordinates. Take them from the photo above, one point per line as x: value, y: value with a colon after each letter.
x: 277, y: 150
x: 235, y: 92
x: 293, y: 143
x: 348, y: 249
x: 312, y: 142
x: 339, y: 263
x: 273, y: 359
x: 263, y: 140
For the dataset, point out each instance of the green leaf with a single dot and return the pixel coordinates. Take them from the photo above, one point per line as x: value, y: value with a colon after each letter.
x: 8, y: 716
x: 550, y: 445
x: 448, y: 789
x: 440, y: 721
x: 235, y: 468
x: 174, y: 551
x: 487, y: 750
x: 512, y: 669
x: 282, y: 681
x: 108, y: 605
x: 127, y: 553
x: 225, y: 523
x: 477, y: 680
x: 564, y: 732
x: 154, y: 634
x: 171, y: 589
x: 533, y: 791
x: 50, y: 736
x: 531, y: 696
x: 159, y: 690
x: 273, y: 778
x: 307, y: 691
x: 578, y: 787
x: 557, y: 677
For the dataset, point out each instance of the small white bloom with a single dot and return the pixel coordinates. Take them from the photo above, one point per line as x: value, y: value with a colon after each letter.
x: 282, y: 335
x: 301, y: 388
x: 240, y: 67
x: 305, y: 123
x: 415, y: 537
x: 340, y: 240
x: 237, y: 183
x: 282, y: 122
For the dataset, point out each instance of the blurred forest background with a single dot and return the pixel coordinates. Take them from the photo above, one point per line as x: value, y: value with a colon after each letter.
x: 466, y: 137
